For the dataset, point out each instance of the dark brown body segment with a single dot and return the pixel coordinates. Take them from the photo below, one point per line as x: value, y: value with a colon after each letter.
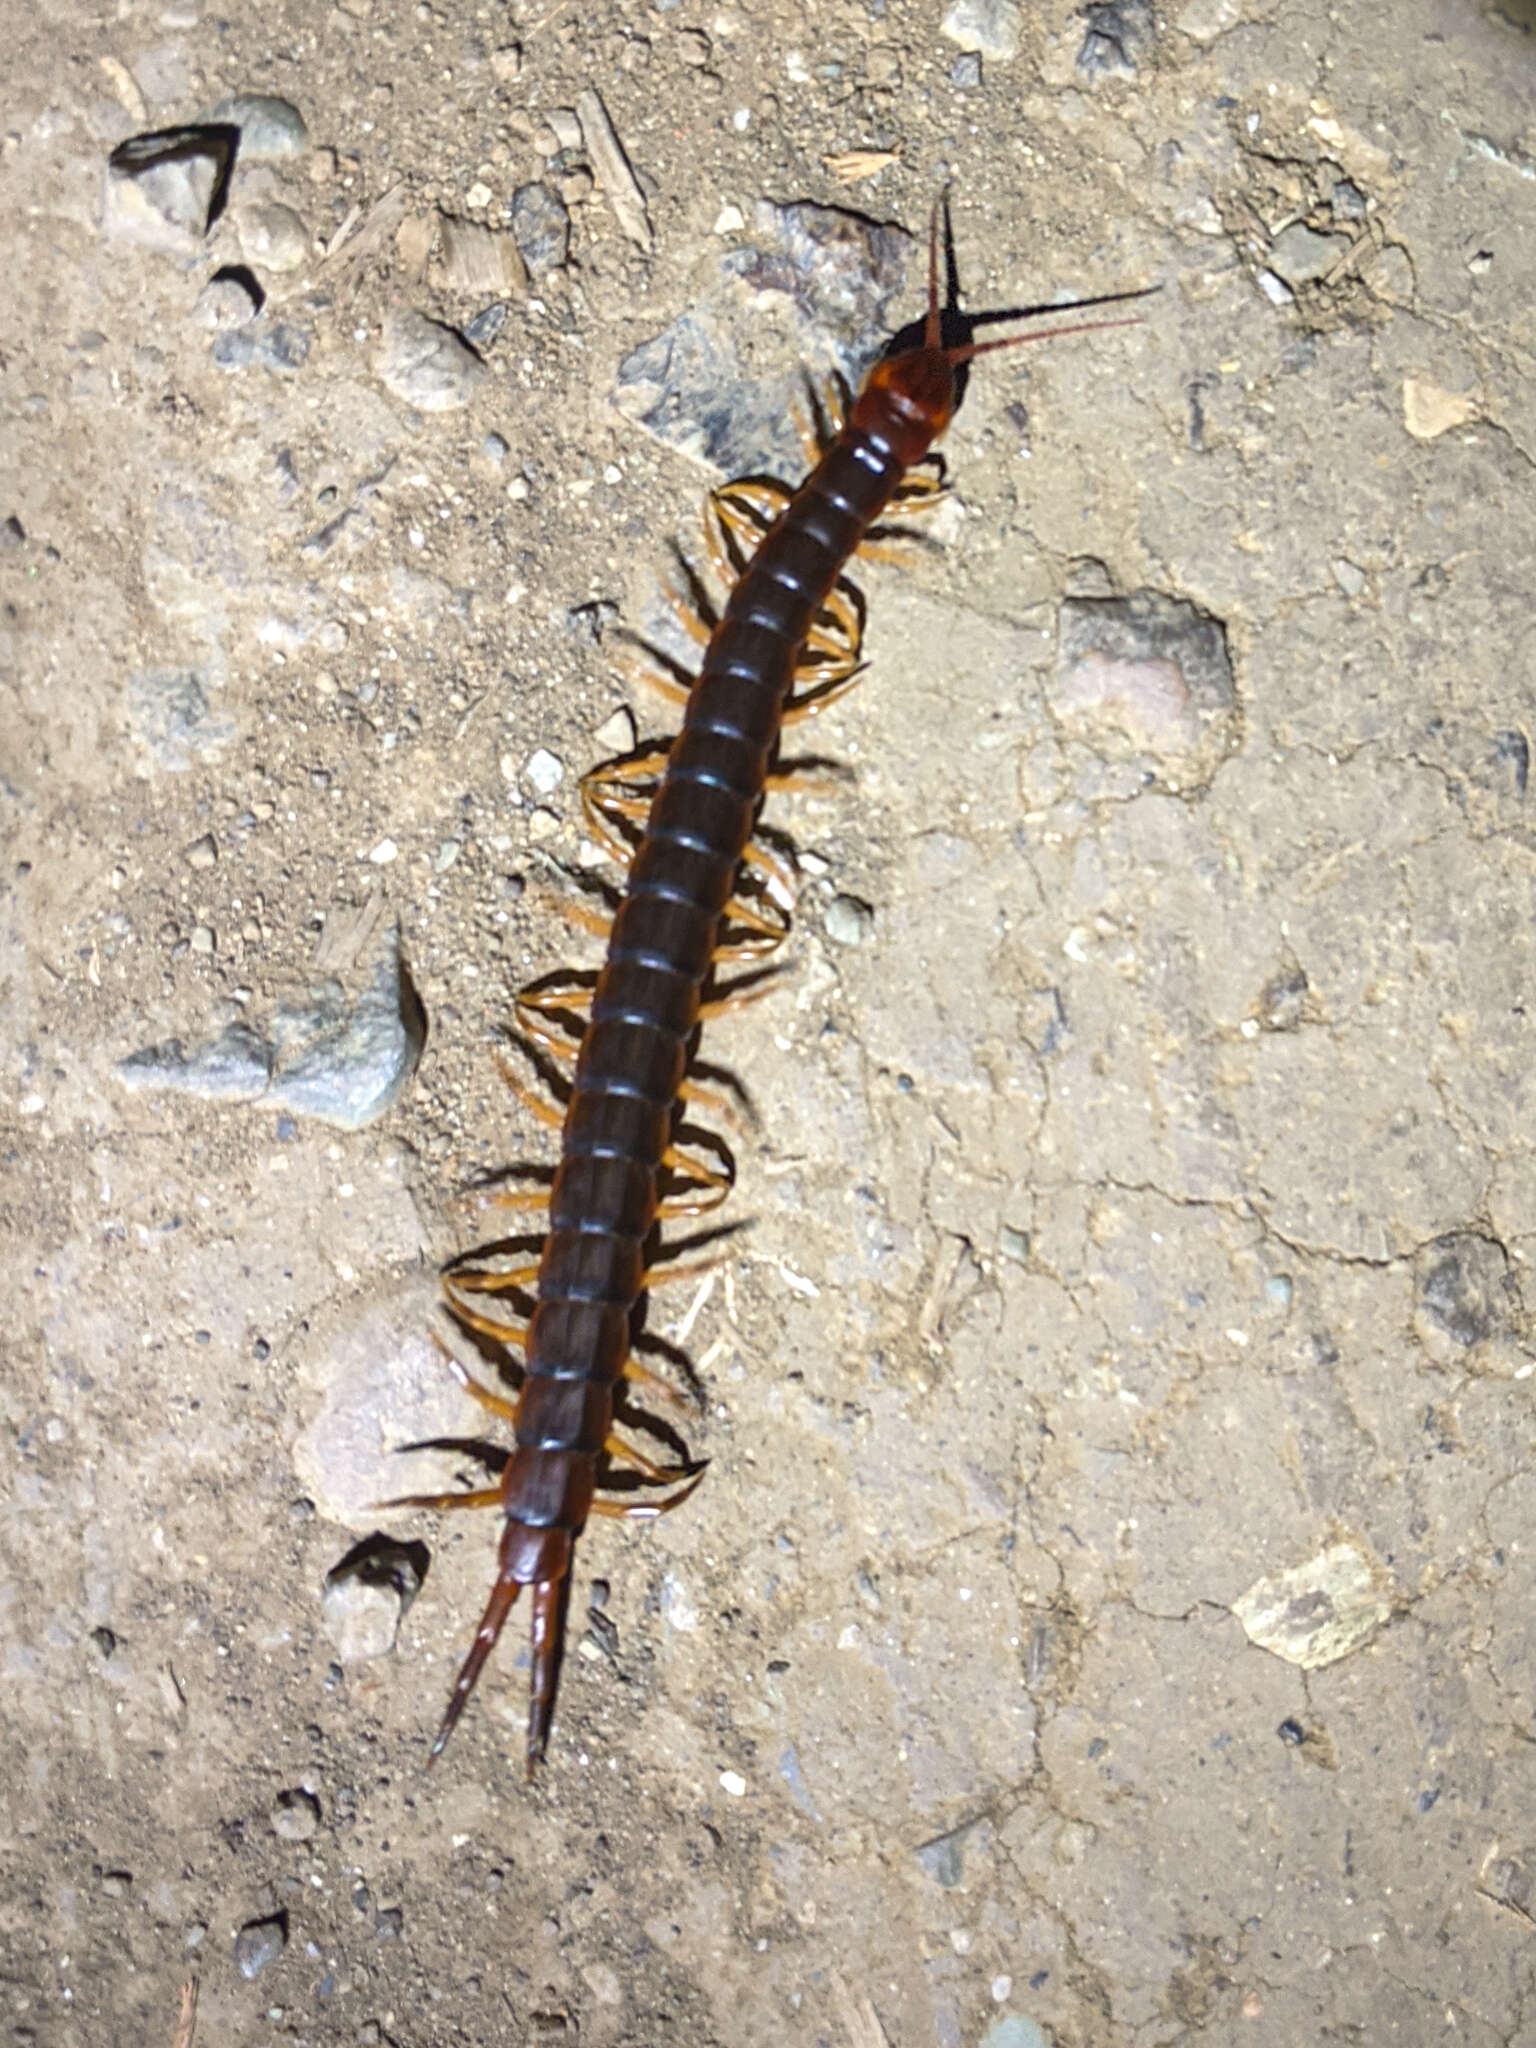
x: 619, y: 1122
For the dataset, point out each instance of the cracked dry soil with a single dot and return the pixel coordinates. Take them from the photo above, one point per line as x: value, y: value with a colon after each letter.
x: 1143, y: 1184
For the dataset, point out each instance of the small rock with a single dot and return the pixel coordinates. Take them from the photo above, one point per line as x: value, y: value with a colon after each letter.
x: 13, y: 534
x: 546, y: 771
x: 965, y: 72
x: 1275, y: 289
x: 366, y: 1595
x: 985, y: 28
x: 426, y: 364
x: 1349, y: 579
x: 295, y: 1815
x: 274, y: 345
x: 202, y: 939
x: 229, y: 299
x: 541, y: 228
x: 482, y: 330
x: 202, y: 853
x: 616, y: 734
x: 1464, y: 1293
x: 1145, y: 672
x: 272, y: 236
x: 1319, y: 1611
x: 1428, y: 411
x: 270, y: 128
x: 234, y: 1067
x: 389, y: 1923
x: 1119, y: 36
x: 362, y: 1620
x: 1301, y: 257
x: 848, y: 921
x: 260, y: 1943
x: 164, y: 190
x: 347, y: 1060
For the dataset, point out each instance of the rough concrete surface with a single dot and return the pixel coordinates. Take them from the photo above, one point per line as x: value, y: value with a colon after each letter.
x: 1107, y: 1618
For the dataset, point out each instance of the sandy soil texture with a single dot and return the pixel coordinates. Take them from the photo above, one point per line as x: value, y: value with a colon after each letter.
x: 1107, y: 1619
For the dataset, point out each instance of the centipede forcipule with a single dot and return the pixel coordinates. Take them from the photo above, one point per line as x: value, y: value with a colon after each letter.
x: 787, y: 622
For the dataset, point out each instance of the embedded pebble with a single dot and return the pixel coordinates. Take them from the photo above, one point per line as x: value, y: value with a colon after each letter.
x: 366, y: 1595
x: 848, y: 921
x: 234, y: 1067
x: 1301, y: 257
x: 699, y: 386
x: 1145, y: 672
x: 295, y: 1815
x: 1118, y: 37
x: 1350, y: 579
x: 270, y: 128
x: 272, y: 236
x: 546, y: 771
x: 1464, y: 1293
x: 259, y: 1944
x: 426, y: 364
x: 965, y: 72
x: 541, y: 227
x: 274, y: 345
x: 202, y: 853
x: 170, y: 717
x: 985, y: 28
x: 1429, y: 411
x: 1275, y: 289
x: 342, y: 1058
x: 226, y: 300
x: 162, y: 189
x: 347, y: 1059
x: 1319, y: 1611
x: 361, y: 1618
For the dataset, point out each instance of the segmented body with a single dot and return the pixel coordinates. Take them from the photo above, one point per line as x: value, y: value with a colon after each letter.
x: 664, y: 942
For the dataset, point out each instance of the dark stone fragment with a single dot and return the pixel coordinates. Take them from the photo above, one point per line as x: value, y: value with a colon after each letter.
x: 541, y: 228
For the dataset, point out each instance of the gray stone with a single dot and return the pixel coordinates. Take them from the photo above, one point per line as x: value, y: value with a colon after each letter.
x: 259, y: 1944
x: 263, y: 345
x: 295, y: 1815
x: 1146, y: 674
x: 988, y: 28
x: 234, y: 1067
x: 170, y: 717
x: 270, y: 128
x: 1117, y: 40
x: 347, y: 1059
x: 426, y: 364
x: 1301, y: 257
x: 163, y: 190
x: 272, y: 236
x: 541, y: 227
x: 699, y: 385
x: 361, y: 1619
x: 226, y: 301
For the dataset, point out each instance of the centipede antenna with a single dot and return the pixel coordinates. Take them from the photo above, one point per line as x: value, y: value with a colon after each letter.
x: 970, y: 350
x: 931, y: 322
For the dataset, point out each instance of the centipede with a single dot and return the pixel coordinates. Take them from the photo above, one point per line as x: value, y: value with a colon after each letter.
x: 701, y: 892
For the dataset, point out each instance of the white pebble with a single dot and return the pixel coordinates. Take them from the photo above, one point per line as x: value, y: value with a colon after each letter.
x: 384, y: 853
x: 546, y: 771
x: 734, y: 1783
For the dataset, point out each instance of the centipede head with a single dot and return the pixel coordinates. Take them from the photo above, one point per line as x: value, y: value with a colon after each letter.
x: 909, y: 398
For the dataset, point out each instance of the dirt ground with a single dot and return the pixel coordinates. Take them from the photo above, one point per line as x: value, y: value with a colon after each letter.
x: 1107, y: 1617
